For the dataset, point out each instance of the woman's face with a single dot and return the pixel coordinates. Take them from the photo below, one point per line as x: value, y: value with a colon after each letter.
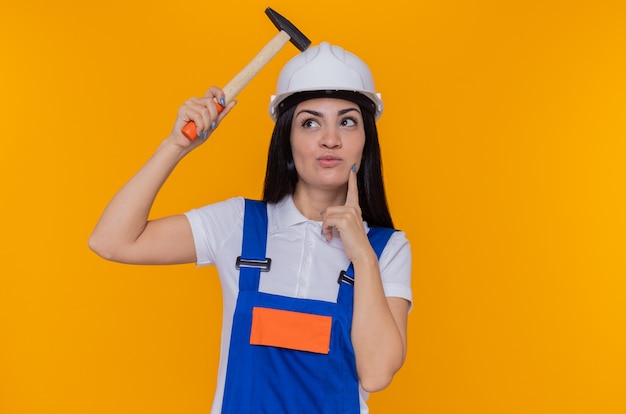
x: 327, y: 139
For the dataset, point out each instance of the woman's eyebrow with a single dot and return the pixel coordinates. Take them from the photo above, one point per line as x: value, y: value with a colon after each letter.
x: 310, y: 111
x: 345, y: 111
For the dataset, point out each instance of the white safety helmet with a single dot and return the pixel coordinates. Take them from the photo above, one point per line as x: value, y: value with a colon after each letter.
x: 329, y: 69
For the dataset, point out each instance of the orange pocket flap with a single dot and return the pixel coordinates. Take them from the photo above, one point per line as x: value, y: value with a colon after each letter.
x: 292, y: 330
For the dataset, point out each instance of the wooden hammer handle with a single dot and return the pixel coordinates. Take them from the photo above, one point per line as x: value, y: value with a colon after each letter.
x: 236, y: 84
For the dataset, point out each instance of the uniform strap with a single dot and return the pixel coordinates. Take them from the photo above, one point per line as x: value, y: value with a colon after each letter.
x: 253, y: 246
x: 378, y: 237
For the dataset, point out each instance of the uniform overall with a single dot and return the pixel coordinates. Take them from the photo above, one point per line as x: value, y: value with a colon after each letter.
x: 290, y: 355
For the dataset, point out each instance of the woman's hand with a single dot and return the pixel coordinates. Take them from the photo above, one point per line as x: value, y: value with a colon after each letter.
x: 204, y: 113
x: 347, y: 221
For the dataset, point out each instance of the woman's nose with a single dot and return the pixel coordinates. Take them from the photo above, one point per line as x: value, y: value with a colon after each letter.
x: 331, y: 138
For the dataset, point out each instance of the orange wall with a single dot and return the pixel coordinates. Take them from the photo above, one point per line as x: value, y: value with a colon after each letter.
x: 504, y: 153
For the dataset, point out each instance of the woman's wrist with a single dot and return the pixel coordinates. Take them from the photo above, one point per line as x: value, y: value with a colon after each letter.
x: 172, y: 149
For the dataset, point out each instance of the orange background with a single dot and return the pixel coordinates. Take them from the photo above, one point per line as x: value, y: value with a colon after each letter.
x: 504, y: 154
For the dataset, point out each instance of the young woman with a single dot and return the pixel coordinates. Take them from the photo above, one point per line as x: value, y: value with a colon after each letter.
x: 316, y: 283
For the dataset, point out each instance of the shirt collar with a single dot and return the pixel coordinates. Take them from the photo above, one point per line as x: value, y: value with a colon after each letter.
x: 287, y: 214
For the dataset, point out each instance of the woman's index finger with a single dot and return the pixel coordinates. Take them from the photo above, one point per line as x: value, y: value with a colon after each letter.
x: 352, y: 198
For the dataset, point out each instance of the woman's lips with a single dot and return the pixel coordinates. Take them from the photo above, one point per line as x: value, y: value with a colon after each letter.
x: 329, y: 161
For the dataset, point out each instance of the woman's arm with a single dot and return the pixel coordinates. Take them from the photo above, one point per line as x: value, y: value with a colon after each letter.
x: 379, y: 328
x: 124, y: 233
x: 379, y: 324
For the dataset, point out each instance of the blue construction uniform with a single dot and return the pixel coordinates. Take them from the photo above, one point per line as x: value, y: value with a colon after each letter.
x: 275, y: 363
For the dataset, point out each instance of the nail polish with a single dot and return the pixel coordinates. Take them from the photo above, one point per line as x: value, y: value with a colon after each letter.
x: 354, y: 168
x: 213, y: 125
x: 222, y: 101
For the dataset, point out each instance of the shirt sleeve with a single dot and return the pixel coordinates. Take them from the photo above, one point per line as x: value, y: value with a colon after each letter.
x: 396, y: 267
x: 213, y: 224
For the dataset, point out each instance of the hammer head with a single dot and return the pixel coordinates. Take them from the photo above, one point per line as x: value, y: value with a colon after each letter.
x: 295, y: 35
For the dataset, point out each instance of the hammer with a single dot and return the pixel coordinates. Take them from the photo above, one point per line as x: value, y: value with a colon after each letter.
x: 287, y: 32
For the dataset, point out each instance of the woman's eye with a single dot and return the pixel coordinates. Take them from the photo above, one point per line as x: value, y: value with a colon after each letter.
x: 310, y: 123
x: 348, y: 122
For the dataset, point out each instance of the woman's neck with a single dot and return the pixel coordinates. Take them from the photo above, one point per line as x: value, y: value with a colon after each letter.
x: 312, y: 203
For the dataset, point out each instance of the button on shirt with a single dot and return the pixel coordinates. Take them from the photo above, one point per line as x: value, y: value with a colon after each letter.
x: 304, y: 263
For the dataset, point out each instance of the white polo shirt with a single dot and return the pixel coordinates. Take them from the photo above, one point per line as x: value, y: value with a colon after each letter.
x: 304, y: 263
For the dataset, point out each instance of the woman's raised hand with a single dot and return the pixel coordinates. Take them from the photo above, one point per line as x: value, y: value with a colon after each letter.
x: 204, y: 113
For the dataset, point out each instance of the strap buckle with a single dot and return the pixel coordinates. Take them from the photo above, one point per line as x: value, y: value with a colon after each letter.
x: 263, y: 265
x: 345, y: 278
